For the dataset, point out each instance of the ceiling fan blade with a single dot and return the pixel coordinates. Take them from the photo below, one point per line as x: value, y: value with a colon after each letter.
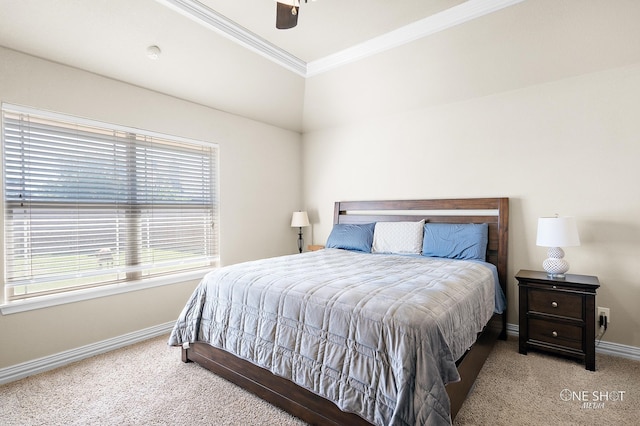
x: 285, y: 19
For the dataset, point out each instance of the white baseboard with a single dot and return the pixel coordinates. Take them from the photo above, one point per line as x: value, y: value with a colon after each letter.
x: 602, y: 347
x: 29, y: 368
x: 40, y: 365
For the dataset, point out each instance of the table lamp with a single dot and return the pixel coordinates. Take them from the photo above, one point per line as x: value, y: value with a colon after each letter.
x: 554, y: 233
x: 299, y: 220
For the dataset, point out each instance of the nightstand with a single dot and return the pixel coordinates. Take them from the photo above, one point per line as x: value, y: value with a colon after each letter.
x: 558, y: 315
x: 314, y: 247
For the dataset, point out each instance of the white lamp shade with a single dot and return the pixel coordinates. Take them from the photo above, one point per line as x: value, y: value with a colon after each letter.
x: 299, y: 219
x: 557, y: 232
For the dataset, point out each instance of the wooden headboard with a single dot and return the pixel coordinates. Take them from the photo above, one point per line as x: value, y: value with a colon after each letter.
x: 493, y: 211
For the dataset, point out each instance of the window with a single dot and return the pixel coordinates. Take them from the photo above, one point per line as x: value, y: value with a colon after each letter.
x: 89, y: 204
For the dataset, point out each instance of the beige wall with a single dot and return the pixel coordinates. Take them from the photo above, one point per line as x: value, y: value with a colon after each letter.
x: 538, y: 102
x: 259, y: 188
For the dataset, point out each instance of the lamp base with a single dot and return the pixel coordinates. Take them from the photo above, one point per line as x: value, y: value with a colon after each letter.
x: 300, y: 241
x: 555, y: 265
x: 556, y: 276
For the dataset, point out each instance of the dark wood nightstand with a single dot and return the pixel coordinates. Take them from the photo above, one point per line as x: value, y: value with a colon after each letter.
x: 558, y: 315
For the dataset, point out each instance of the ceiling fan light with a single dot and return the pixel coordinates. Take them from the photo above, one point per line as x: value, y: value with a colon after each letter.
x: 287, y: 14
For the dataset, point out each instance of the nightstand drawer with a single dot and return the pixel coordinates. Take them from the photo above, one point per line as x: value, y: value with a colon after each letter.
x: 556, y: 333
x: 556, y: 303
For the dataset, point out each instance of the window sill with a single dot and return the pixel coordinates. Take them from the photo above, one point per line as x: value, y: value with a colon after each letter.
x: 94, y: 293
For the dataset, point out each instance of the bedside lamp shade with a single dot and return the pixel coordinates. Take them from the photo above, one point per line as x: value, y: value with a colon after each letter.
x: 554, y: 233
x: 299, y: 220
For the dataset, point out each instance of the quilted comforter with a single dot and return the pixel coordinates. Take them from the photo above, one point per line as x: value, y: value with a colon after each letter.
x: 376, y: 334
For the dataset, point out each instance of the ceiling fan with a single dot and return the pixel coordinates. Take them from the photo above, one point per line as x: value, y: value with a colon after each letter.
x: 287, y: 13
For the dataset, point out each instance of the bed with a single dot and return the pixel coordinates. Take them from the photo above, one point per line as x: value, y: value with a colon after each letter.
x: 347, y: 337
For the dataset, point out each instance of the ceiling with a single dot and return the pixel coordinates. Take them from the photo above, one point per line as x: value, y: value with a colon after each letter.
x: 328, y: 26
x: 111, y: 37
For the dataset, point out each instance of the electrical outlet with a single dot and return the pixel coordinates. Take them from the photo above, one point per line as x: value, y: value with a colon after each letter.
x: 604, y: 312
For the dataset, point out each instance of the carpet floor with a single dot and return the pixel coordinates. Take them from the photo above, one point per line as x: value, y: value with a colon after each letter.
x: 147, y: 384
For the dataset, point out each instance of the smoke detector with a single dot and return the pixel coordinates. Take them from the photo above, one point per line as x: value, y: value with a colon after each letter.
x: 153, y: 52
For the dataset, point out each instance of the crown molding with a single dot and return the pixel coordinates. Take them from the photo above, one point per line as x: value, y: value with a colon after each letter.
x: 211, y: 19
x: 441, y: 21
x: 464, y: 12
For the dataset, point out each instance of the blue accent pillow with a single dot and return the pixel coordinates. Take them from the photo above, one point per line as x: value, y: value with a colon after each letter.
x: 456, y: 240
x: 348, y: 236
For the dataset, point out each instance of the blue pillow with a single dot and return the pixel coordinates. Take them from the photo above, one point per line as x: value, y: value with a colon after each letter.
x: 347, y: 236
x: 455, y: 240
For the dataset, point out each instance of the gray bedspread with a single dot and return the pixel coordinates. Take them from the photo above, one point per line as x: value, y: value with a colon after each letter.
x: 377, y: 334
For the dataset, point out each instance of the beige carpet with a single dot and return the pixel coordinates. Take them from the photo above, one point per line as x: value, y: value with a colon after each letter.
x: 514, y: 389
x: 146, y: 384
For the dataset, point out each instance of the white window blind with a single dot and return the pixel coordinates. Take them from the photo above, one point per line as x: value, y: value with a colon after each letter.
x: 88, y: 204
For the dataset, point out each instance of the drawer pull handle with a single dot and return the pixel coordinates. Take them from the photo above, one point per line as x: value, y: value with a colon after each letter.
x: 554, y: 304
x: 554, y: 334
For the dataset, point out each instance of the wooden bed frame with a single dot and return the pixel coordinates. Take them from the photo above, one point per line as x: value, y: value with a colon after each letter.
x: 318, y: 411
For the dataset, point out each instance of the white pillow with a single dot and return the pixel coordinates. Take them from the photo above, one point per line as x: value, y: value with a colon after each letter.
x: 398, y: 237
